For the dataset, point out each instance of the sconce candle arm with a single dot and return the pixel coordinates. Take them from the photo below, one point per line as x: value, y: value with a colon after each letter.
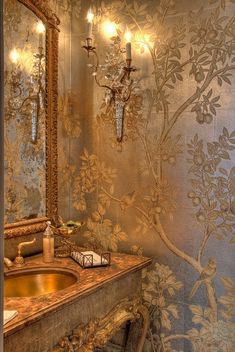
x: 127, y: 71
x: 28, y: 98
x: 120, y: 89
x: 91, y: 49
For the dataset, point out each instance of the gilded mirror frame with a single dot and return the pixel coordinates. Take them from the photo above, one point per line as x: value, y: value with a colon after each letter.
x: 25, y: 227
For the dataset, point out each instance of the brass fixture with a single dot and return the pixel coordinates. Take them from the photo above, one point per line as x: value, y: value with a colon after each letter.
x: 64, y: 231
x: 67, y: 229
x: 19, y: 260
x: 120, y: 88
x: 36, y: 282
x: 9, y: 264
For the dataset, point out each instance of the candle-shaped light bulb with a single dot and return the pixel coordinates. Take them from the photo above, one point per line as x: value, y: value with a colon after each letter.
x: 109, y: 29
x: 40, y: 28
x: 14, y: 56
x: 90, y: 17
x: 128, y: 44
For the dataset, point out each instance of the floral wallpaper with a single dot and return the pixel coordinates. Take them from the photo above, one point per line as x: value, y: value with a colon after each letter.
x: 168, y: 189
x: 24, y: 132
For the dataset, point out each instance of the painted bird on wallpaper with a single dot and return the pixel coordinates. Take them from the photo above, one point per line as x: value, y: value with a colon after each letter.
x: 207, y: 274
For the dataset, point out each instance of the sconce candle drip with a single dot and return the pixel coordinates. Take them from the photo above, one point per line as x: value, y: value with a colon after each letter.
x: 122, y: 86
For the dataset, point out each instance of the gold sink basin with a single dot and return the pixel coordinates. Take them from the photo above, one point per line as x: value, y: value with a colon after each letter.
x: 36, y: 282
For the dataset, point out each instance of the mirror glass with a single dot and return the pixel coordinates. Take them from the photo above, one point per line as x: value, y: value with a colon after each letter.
x: 24, y: 65
x: 30, y: 127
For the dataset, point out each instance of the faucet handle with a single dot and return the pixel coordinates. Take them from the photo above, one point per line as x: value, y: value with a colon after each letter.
x: 8, y: 263
x: 19, y: 260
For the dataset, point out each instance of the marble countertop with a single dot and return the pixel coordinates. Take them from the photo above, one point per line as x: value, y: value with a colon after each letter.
x: 31, y: 309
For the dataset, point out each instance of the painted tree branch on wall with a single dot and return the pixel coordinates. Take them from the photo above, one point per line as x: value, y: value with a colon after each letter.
x: 200, y: 53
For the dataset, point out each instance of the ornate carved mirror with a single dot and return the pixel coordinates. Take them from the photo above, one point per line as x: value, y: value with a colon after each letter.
x: 30, y: 121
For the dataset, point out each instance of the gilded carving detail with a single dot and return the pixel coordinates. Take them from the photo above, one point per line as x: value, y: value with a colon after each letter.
x: 23, y: 228
x: 43, y: 11
x: 98, y: 331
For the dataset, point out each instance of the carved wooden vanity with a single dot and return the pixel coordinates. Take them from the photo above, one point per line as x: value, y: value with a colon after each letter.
x: 82, y: 316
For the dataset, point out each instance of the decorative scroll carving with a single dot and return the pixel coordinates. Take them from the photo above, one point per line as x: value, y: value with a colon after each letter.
x: 98, y: 331
x: 42, y: 10
x: 23, y: 228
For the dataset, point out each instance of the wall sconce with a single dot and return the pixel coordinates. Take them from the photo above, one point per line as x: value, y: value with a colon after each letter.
x: 121, y: 87
x: 28, y: 93
x: 38, y: 74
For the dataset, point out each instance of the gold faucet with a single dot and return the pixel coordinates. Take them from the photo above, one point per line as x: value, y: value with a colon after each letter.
x: 19, y: 260
x: 9, y: 264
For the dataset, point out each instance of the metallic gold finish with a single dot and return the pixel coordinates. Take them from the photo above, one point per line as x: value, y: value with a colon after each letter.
x: 97, y: 332
x: 36, y: 282
x: 120, y: 88
x: 22, y: 244
x: 8, y: 263
x: 19, y: 260
x: 25, y: 227
x: 42, y: 10
x: 66, y: 229
x: 63, y: 231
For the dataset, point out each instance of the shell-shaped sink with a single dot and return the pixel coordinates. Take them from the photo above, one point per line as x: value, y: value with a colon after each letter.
x: 37, y: 281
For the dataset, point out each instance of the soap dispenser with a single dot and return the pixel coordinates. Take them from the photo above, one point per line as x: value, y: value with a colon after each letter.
x: 48, y: 244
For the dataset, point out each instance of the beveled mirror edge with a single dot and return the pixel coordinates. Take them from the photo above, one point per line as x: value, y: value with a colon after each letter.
x: 26, y: 227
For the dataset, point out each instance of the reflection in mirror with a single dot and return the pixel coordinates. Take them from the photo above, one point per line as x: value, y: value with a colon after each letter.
x: 24, y: 113
x: 30, y: 92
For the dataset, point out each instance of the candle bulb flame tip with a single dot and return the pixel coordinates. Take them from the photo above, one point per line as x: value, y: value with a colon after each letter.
x: 40, y: 28
x: 128, y: 35
x: 90, y: 16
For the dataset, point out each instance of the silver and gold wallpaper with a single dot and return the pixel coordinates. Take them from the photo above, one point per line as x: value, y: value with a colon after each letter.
x: 168, y: 189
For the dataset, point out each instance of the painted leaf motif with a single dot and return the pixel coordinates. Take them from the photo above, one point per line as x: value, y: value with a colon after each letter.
x: 127, y: 200
x: 172, y: 308
x: 197, y: 310
x: 166, y: 323
x: 96, y: 216
x: 101, y: 209
x: 228, y: 300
